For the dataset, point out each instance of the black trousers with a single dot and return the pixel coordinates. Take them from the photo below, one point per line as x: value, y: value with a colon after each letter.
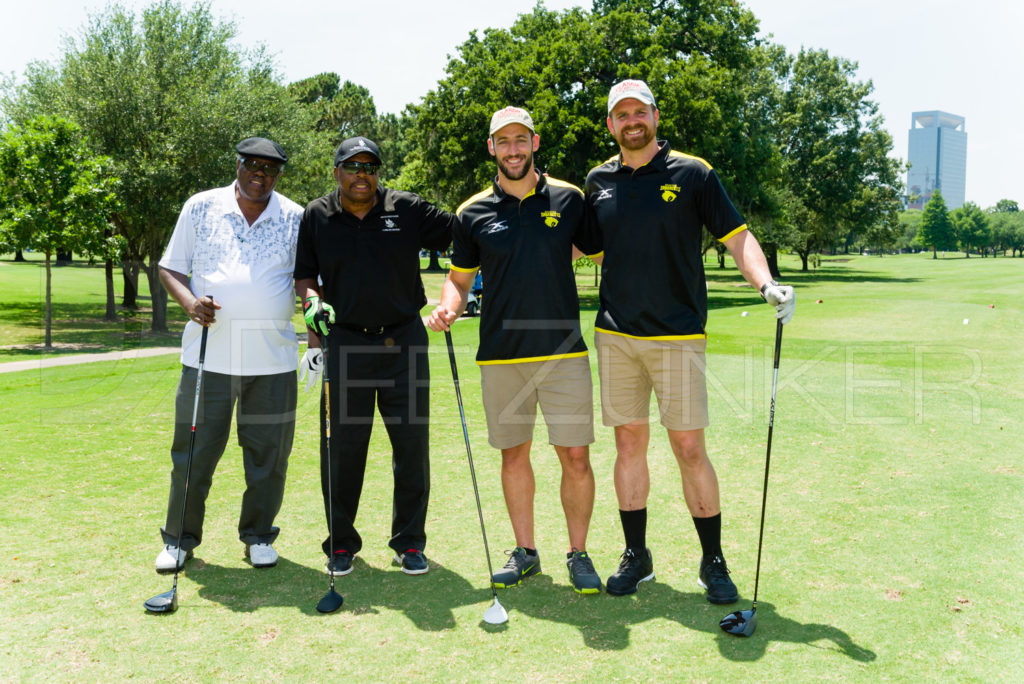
x: 389, y: 369
x: 265, y: 426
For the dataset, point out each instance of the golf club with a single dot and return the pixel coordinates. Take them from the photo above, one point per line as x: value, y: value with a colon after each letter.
x: 167, y: 602
x: 744, y: 622
x: 332, y: 600
x: 495, y: 615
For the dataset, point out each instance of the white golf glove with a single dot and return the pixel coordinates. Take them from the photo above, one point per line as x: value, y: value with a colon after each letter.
x: 312, y: 365
x: 782, y: 297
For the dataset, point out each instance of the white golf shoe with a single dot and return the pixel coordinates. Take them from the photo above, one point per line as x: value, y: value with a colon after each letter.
x: 171, y: 558
x: 261, y: 555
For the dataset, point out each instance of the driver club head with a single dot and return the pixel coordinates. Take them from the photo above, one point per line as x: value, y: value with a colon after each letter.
x: 331, y: 602
x: 741, y: 623
x: 496, y: 614
x: 166, y: 602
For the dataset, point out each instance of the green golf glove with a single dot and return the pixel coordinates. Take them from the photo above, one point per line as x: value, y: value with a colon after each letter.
x: 318, y: 314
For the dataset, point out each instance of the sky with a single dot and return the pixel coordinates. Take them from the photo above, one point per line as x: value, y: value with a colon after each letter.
x: 960, y: 57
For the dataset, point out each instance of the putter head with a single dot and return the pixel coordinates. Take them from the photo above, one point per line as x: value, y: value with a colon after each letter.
x: 166, y: 602
x: 741, y: 623
x: 496, y: 615
x: 331, y: 602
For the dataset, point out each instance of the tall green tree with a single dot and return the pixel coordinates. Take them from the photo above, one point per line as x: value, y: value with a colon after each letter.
x: 834, y: 153
x: 166, y: 95
x: 936, y: 229
x: 970, y: 228
x: 56, y: 195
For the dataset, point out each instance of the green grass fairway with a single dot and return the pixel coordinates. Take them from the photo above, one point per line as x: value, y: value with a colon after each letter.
x: 894, y: 540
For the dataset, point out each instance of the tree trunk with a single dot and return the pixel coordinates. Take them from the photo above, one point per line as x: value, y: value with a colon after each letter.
x: 803, y: 260
x: 63, y: 257
x: 935, y: 253
x: 108, y: 271
x: 435, y: 262
x: 720, y: 251
x: 49, y: 311
x: 158, y: 296
x: 130, y: 275
x: 19, y: 256
x: 771, y: 255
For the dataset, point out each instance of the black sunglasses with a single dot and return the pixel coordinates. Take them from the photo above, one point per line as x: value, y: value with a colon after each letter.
x: 369, y: 168
x: 252, y: 166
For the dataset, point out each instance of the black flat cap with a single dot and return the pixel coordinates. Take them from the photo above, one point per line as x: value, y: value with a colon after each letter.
x: 262, y: 148
x: 353, y: 146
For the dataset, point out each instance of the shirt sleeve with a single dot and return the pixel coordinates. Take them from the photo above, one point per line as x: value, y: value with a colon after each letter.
x: 306, y: 263
x: 465, y: 252
x: 178, y: 254
x: 717, y: 211
x: 436, y: 226
x: 587, y: 237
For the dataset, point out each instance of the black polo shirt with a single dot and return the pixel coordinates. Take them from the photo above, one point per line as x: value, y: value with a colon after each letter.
x: 530, y: 310
x: 370, y: 267
x: 650, y: 218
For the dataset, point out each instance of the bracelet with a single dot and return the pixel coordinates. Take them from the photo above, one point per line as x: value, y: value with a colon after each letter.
x: 765, y: 287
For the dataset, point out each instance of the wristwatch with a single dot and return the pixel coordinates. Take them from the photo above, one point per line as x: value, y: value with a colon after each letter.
x: 765, y: 287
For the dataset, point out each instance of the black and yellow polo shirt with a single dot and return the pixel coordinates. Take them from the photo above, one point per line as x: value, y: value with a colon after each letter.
x: 652, y: 283
x: 524, y: 250
x: 370, y: 267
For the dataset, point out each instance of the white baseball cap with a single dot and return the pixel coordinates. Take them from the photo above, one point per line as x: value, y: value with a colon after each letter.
x: 510, y: 115
x: 630, y: 88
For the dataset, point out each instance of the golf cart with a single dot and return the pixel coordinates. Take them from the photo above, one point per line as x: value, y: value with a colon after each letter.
x: 476, y: 293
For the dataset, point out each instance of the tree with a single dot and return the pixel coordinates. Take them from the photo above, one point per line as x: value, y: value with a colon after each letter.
x: 970, y: 227
x: 57, y: 194
x: 166, y: 97
x: 909, y: 221
x: 1007, y: 229
x: 1006, y: 206
x: 834, y: 153
x: 936, y: 229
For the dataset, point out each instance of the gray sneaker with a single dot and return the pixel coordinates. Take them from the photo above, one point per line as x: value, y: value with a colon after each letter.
x: 520, y: 565
x: 582, y: 574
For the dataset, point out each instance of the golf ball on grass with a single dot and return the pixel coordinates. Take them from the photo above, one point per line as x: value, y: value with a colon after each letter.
x: 966, y: 321
x: 744, y: 313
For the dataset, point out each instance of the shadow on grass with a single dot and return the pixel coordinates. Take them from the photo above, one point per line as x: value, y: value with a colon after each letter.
x: 604, y: 621
x: 427, y: 601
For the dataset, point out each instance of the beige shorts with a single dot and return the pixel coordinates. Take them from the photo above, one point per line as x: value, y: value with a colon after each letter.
x: 562, y: 387
x: 629, y: 368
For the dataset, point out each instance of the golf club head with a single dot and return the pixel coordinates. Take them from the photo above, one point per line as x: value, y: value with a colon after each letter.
x: 166, y: 602
x: 496, y: 615
x: 741, y: 623
x: 331, y: 602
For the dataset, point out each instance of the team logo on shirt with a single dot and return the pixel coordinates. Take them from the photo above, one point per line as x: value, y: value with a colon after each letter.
x: 495, y: 227
x: 603, y: 194
x: 668, y: 192
x: 390, y: 224
x: 551, y: 218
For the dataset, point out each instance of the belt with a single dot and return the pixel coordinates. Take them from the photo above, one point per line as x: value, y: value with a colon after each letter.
x: 372, y: 329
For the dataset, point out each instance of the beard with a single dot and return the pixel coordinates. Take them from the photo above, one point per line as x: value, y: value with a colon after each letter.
x: 635, y: 143
x: 527, y: 168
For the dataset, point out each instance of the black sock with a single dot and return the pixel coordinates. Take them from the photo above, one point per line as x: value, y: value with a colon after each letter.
x: 710, y: 532
x: 530, y: 552
x: 634, y: 526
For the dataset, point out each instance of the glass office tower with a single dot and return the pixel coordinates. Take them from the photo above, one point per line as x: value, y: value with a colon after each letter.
x: 937, y: 152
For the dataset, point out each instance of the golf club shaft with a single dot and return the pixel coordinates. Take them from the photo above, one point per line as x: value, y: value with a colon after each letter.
x: 191, y: 447
x: 327, y: 435
x: 768, y: 453
x: 469, y: 455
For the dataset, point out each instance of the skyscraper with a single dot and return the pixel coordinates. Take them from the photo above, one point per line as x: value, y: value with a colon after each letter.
x: 937, y: 152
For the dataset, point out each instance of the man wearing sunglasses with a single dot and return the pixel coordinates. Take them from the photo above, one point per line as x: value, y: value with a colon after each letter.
x: 229, y: 265
x: 358, y: 271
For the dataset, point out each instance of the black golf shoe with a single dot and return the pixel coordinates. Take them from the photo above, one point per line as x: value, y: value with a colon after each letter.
x: 714, y: 577
x: 582, y: 574
x: 635, y: 567
x: 340, y: 563
x: 413, y: 562
x: 520, y: 565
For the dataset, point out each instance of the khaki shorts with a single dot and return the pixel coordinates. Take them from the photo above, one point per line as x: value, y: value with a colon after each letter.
x: 562, y: 387
x: 629, y: 368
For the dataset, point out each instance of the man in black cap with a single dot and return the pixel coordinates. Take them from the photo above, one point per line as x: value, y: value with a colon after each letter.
x: 229, y: 265
x: 358, y: 272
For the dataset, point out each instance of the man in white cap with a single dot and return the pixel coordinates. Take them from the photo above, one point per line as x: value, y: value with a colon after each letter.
x: 521, y: 232
x: 651, y: 203
x: 229, y: 266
